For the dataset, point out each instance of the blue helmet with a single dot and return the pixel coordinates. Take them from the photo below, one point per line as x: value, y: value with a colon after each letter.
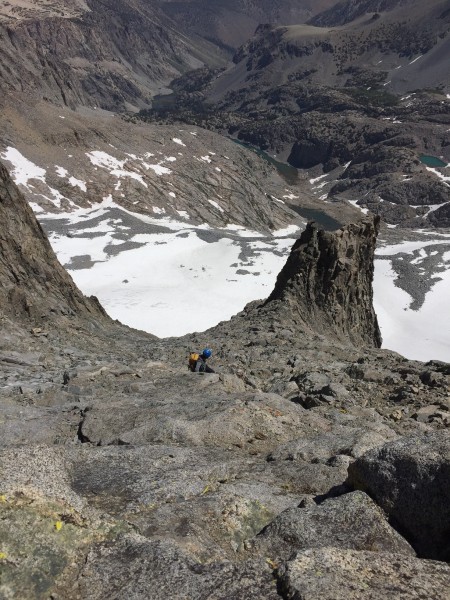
x: 206, y: 353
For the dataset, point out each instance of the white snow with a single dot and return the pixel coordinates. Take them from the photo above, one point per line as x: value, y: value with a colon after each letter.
x: 406, y: 247
x: 36, y: 208
x: 159, y: 169
x: 286, y: 231
x: 418, y: 335
x: 78, y: 183
x: 422, y: 334
x: 171, y: 272
x: 23, y: 169
x: 444, y: 178
x: 356, y: 205
x: 114, y: 165
x: 216, y: 205
x: 178, y: 141
x: 102, y: 159
x: 61, y: 171
x: 313, y: 181
x: 242, y: 232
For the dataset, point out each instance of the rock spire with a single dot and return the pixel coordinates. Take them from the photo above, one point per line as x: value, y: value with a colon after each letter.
x: 327, y: 281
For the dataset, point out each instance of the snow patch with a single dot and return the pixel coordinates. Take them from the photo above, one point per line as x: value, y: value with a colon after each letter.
x: 216, y: 205
x: 78, y: 183
x: 23, y: 169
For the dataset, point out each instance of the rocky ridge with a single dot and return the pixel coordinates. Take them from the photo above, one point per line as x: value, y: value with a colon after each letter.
x: 112, y: 55
x: 33, y: 283
x: 382, y: 113
x: 123, y: 473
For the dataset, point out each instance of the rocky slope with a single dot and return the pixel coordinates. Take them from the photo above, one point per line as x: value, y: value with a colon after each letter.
x: 113, y: 55
x: 232, y: 23
x: 329, y: 97
x: 117, y: 55
x: 34, y: 286
x: 64, y: 160
x: 121, y: 473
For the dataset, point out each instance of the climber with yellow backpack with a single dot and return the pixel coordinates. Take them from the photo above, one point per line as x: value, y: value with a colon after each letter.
x: 197, y: 362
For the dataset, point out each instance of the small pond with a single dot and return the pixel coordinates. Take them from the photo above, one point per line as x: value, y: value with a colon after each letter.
x: 432, y: 161
x: 319, y: 216
x: 288, y: 172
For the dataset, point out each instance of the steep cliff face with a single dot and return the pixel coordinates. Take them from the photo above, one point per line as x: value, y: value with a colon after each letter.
x: 33, y: 285
x: 114, y: 55
x: 327, y: 281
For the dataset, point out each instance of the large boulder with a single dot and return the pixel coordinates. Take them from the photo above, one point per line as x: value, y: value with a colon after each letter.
x: 336, y: 574
x: 142, y: 569
x: 410, y: 479
x: 350, y: 521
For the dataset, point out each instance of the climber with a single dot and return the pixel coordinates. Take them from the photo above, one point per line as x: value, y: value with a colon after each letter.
x: 197, y: 362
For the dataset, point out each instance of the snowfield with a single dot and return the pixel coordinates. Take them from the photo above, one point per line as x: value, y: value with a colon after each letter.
x: 169, y: 277
x: 182, y: 279
x: 422, y: 334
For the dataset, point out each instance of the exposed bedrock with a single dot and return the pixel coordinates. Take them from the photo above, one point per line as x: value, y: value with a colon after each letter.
x: 327, y: 280
x: 410, y: 479
x: 124, y: 475
x: 33, y: 283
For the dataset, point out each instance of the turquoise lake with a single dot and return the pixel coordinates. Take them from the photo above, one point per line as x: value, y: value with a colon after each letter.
x: 432, y: 161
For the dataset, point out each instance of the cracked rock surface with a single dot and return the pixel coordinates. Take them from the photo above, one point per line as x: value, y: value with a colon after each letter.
x: 124, y: 475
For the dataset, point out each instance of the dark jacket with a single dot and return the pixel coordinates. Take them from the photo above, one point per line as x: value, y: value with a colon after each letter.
x: 201, y: 366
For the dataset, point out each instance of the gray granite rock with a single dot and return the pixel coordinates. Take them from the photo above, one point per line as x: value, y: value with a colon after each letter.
x: 352, y: 521
x: 336, y: 574
x: 410, y: 479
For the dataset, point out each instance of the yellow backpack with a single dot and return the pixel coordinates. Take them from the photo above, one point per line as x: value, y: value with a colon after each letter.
x: 193, y: 358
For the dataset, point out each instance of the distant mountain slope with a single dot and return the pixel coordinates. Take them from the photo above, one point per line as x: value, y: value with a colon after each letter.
x: 370, y: 97
x: 406, y: 28
x: 377, y: 43
x: 64, y: 160
x: 343, y: 12
x: 117, y: 54
x: 232, y: 22
x: 111, y: 54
